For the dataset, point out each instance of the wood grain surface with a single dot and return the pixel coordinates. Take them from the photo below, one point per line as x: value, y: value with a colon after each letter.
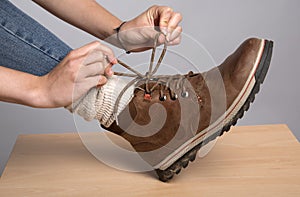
x: 247, y: 161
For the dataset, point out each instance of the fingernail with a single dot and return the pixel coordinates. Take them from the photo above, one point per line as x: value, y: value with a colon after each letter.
x: 100, y: 79
x: 100, y: 82
x: 114, y: 61
x: 110, y: 72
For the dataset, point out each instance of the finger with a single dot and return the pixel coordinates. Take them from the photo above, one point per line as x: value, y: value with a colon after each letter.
x: 86, y: 48
x: 109, y: 55
x: 175, y: 42
x: 164, y: 14
x: 94, y: 69
x: 161, y: 39
x: 101, y: 80
x: 108, y: 71
x: 173, y: 24
x: 172, y: 37
x: 95, y: 81
x: 175, y: 19
x: 96, y: 55
x: 176, y: 33
x: 100, y: 53
x: 108, y: 67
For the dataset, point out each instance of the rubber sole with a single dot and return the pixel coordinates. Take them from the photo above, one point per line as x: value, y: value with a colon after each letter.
x: 260, y: 74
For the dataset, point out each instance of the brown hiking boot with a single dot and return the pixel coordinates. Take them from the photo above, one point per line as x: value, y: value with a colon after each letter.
x: 171, y: 117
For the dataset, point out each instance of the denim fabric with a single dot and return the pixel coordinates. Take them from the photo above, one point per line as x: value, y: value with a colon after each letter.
x: 25, y: 44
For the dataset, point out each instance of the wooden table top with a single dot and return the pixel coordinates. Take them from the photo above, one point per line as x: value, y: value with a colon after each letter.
x: 247, y: 161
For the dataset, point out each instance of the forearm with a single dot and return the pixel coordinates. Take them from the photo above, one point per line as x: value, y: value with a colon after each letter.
x: 87, y: 15
x: 19, y: 87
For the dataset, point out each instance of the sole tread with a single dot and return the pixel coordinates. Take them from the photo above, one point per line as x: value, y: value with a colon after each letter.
x: 175, y: 168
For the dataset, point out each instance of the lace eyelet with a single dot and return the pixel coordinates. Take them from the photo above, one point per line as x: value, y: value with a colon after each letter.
x: 163, y: 98
x: 174, y: 97
x: 185, y: 94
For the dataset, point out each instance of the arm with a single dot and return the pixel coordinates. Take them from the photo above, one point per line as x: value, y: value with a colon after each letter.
x: 91, y: 17
x: 80, y: 70
x: 19, y: 87
x: 87, y: 15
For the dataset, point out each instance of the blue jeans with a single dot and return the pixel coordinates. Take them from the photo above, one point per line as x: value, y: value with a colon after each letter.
x: 25, y: 44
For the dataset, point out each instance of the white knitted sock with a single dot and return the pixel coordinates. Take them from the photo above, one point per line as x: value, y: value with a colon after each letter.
x: 99, y: 103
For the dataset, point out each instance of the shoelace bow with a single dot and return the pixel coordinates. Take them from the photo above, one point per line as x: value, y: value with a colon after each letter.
x: 159, y: 80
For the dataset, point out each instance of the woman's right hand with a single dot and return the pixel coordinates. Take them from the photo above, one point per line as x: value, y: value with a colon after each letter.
x: 81, y: 70
x: 138, y: 34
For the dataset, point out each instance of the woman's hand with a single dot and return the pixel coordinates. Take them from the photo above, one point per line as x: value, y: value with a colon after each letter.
x: 135, y: 35
x: 79, y: 71
x: 138, y: 34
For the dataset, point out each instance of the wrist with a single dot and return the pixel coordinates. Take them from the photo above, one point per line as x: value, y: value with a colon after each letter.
x: 41, y: 95
x: 37, y: 94
x: 118, y: 35
x: 30, y: 93
x: 22, y: 88
x: 115, y: 36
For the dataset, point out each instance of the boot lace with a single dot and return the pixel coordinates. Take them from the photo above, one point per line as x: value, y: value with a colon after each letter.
x: 163, y: 82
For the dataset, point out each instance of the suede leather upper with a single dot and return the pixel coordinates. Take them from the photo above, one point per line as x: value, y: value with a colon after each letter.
x: 211, y: 93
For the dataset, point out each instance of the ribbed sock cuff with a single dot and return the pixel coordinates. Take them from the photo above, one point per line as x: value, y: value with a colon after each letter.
x: 99, y: 103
